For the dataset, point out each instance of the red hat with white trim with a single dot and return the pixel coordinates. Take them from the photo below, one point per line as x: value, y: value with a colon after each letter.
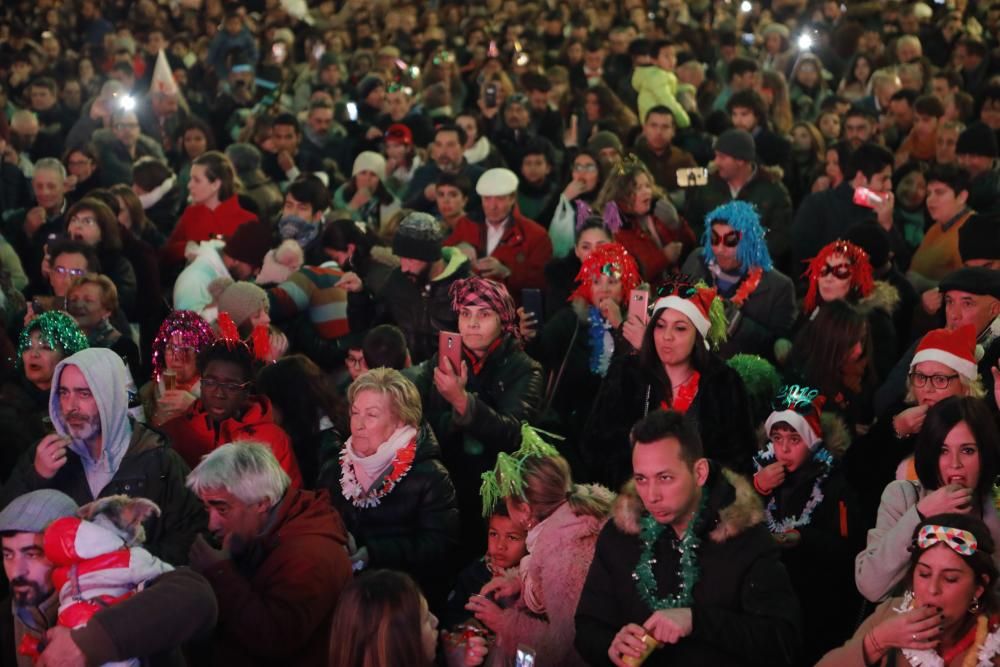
x: 955, y: 349
x: 695, y: 306
x: 800, y: 408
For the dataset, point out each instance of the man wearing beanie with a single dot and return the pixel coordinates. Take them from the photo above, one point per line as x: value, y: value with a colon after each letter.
x: 977, y: 153
x: 824, y: 217
x: 239, y: 258
x: 738, y: 176
x: 607, y: 146
x: 510, y: 248
x: 416, y: 294
x: 246, y: 159
x: 170, y: 610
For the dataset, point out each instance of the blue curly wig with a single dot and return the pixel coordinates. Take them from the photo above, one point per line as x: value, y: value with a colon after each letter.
x: 743, y: 217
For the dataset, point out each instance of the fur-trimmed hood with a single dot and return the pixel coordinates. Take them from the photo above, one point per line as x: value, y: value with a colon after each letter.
x: 743, y: 511
x: 883, y: 297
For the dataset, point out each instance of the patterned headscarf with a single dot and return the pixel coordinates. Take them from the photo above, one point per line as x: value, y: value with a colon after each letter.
x: 742, y: 217
x: 476, y: 291
x: 611, y: 259
x: 58, y: 329
x: 862, y: 281
x: 181, y: 327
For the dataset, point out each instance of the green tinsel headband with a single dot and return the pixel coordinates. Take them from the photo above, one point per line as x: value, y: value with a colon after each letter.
x: 58, y: 329
x: 506, y: 478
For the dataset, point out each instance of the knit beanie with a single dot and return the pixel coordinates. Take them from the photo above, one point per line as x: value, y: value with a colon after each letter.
x: 369, y: 161
x: 367, y: 85
x: 977, y: 139
x: 249, y: 243
x: 604, y: 139
x: 737, y: 144
x: 419, y: 237
x: 241, y: 300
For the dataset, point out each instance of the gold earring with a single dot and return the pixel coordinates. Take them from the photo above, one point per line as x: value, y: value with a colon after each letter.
x: 974, y: 607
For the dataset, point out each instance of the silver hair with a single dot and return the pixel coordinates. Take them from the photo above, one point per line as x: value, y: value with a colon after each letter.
x: 51, y: 164
x: 248, y: 470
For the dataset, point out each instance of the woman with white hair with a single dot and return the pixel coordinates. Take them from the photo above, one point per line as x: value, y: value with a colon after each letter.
x: 389, y: 484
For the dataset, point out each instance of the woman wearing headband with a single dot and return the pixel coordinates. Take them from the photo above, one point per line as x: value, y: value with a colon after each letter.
x: 674, y: 370
x: 956, y: 462
x: 948, y: 614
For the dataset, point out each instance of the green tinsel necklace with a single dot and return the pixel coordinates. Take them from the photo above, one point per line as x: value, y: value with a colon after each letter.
x: 687, y: 574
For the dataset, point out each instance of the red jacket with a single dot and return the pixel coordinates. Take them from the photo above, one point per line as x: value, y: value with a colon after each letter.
x: 652, y: 262
x: 525, y: 249
x: 195, y: 434
x: 276, y: 600
x: 200, y: 223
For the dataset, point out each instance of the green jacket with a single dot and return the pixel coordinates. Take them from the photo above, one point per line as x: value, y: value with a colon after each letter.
x: 658, y: 87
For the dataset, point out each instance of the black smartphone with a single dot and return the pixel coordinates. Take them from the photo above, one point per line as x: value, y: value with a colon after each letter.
x: 534, y: 303
x: 490, y: 97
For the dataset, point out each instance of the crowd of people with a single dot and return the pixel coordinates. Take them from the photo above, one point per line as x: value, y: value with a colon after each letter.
x: 350, y: 333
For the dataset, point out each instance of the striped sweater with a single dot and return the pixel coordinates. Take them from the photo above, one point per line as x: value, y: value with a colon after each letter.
x: 313, y: 289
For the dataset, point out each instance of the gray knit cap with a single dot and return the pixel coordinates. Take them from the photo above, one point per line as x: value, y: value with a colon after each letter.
x: 419, y: 237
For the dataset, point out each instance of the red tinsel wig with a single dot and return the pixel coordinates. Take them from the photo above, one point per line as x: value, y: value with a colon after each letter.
x: 613, y: 260
x: 862, y: 282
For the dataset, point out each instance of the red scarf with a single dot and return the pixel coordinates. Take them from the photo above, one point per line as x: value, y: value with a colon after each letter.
x: 685, y: 395
x: 476, y: 365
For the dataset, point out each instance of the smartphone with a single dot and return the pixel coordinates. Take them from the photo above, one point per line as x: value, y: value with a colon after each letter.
x: 450, y: 348
x: 638, y: 304
x: 37, y: 307
x: 534, y: 303
x: 525, y: 656
x: 490, y: 97
x: 352, y: 111
x: 867, y: 198
x: 748, y: 39
x: 690, y: 177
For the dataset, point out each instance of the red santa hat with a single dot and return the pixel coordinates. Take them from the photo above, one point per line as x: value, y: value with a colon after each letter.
x: 955, y: 349
x: 696, y: 304
x: 799, y: 407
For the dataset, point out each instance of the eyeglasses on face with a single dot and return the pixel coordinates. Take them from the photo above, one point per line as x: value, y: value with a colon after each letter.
x: 226, y: 387
x: 72, y: 273
x: 937, y: 381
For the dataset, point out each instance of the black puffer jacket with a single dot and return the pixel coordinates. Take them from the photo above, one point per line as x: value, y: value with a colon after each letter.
x: 150, y: 469
x: 721, y: 410
x: 414, y: 527
x: 24, y: 420
x: 744, y: 612
x: 506, y: 392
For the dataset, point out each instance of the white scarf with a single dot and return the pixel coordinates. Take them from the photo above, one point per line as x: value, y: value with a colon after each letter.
x: 372, y: 466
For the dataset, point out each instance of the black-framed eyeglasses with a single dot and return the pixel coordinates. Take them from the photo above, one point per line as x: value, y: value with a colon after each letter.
x: 730, y: 239
x: 937, y: 381
x: 840, y: 271
x: 226, y: 387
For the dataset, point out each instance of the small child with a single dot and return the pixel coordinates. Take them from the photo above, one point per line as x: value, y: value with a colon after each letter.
x: 810, y: 510
x: 505, y: 547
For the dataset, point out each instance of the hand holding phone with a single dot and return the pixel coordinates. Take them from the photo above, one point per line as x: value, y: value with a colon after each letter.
x: 450, y: 351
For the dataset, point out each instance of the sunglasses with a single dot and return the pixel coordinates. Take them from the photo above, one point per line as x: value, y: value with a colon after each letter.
x: 730, y: 240
x: 840, y: 271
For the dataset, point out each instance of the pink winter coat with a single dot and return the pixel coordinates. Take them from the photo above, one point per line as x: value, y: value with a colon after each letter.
x: 561, y: 549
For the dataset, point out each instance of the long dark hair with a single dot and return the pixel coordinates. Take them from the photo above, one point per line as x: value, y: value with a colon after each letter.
x: 823, y: 345
x: 312, y: 398
x: 338, y: 234
x: 377, y: 623
x: 943, y: 417
x: 649, y: 359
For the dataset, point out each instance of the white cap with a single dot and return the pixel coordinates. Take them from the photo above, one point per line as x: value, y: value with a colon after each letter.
x: 496, y: 183
x: 369, y: 161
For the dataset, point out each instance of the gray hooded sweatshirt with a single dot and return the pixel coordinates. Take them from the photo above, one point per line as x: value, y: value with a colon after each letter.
x: 108, y: 379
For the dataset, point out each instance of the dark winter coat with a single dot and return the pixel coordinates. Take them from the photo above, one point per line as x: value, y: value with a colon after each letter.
x: 745, y: 611
x: 765, y: 191
x: 768, y: 314
x: 414, y: 528
x: 506, y: 392
x: 824, y: 217
x: 276, y: 599
x: 150, y: 469
x: 427, y: 174
x: 24, y: 420
x: 721, y: 411
x: 827, y: 545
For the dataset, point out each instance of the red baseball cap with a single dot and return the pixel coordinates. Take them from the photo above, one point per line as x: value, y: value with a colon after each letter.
x: 399, y: 134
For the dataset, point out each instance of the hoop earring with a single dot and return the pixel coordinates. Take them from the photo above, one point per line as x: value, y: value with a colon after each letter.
x: 974, y: 607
